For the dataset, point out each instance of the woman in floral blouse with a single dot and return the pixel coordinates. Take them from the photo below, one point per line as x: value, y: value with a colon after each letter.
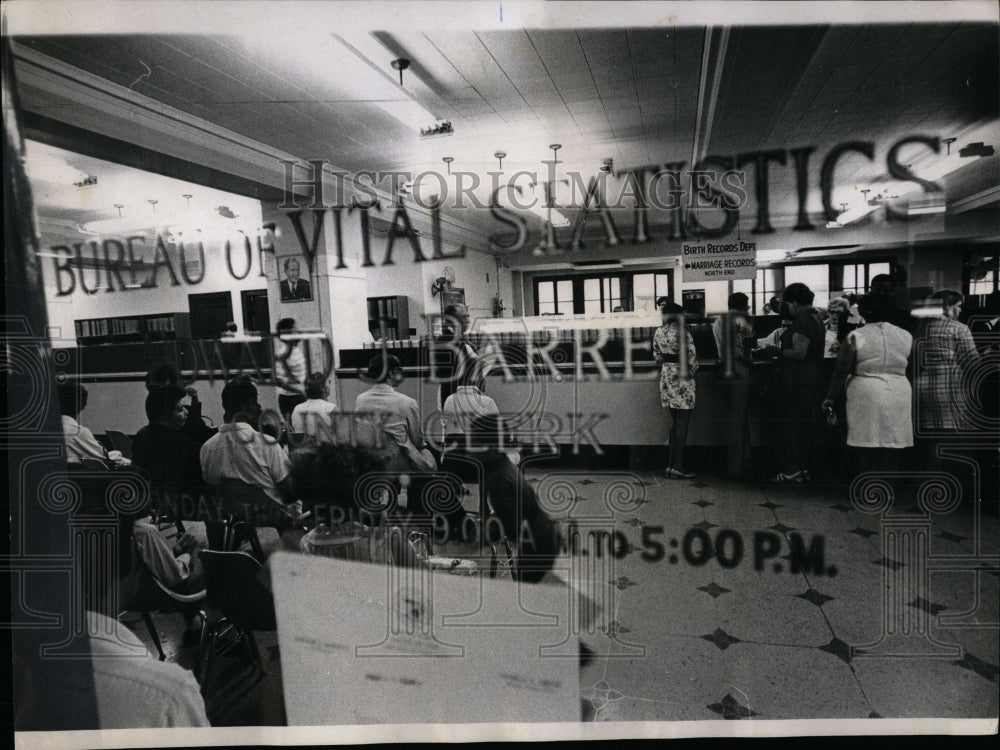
x: 677, y: 386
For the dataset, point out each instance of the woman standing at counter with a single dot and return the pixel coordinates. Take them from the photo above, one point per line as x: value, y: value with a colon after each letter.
x: 677, y: 391
x: 802, y: 380
x: 872, y: 365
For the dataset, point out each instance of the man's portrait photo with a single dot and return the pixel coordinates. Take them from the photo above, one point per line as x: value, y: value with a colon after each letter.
x: 293, y: 288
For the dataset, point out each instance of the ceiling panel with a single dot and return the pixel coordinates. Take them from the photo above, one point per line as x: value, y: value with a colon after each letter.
x: 628, y: 93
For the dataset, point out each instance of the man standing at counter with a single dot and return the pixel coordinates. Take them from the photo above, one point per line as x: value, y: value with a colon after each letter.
x: 454, y: 358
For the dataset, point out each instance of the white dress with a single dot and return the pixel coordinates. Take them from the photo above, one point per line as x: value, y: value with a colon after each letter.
x: 879, y: 397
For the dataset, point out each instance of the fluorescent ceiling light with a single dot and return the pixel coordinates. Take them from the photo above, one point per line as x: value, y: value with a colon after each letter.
x: 391, y: 98
x: 925, y: 210
x: 408, y: 112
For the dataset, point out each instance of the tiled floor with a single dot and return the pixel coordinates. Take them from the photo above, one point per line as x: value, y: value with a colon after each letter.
x: 684, y: 639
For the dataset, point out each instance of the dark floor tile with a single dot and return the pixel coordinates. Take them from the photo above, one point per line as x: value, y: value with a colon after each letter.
x: 714, y: 590
x: 721, y: 639
x: 866, y: 533
x: 951, y: 537
x: 839, y: 649
x: 929, y: 607
x: 731, y: 709
x: 980, y: 667
x: 812, y: 596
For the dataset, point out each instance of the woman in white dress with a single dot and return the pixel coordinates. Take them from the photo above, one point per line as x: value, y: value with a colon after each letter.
x: 872, y: 364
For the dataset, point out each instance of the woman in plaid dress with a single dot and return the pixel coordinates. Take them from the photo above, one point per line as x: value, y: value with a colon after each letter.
x: 947, y: 350
x: 677, y: 391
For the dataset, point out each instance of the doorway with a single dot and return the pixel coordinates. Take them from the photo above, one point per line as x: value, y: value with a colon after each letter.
x: 256, y: 313
x: 209, y: 314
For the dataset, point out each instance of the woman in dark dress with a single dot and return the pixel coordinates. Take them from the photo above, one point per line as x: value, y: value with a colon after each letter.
x: 803, y: 383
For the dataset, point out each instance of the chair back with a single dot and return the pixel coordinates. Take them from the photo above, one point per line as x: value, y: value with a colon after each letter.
x: 233, y: 586
x: 120, y: 442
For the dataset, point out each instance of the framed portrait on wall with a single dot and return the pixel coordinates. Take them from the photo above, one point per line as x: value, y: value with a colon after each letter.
x: 294, y: 287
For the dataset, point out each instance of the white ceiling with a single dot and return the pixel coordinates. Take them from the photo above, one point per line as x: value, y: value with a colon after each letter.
x: 637, y: 95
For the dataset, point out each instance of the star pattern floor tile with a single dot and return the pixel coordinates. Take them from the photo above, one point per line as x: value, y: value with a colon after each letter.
x: 814, y: 597
x: 735, y: 643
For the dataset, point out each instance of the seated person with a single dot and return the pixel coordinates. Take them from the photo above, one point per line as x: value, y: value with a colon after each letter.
x: 178, y: 567
x: 194, y: 427
x: 168, y: 458
x: 124, y: 687
x: 392, y: 419
x: 462, y: 408
x: 80, y: 441
x: 315, y: 417
x: 326, y: 477
x: 241, y: 453
x: 513, y: 500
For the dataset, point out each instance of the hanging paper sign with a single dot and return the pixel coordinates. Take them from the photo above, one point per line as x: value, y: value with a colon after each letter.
x: 719, y: 262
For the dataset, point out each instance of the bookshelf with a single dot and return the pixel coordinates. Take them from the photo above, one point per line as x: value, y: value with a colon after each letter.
x: 133, y: 328
x: 395, y: 310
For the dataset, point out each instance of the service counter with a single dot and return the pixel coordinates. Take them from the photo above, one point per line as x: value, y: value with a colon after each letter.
x: 570, y: 398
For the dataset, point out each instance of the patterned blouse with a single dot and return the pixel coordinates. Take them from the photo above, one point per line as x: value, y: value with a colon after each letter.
x: 676, y: 392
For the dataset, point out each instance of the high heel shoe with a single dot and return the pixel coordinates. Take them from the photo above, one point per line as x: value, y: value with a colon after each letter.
x: 672, y: 473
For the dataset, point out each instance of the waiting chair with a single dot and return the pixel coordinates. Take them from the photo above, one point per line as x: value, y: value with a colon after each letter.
x: 233, y: 588
x: 147, y: 594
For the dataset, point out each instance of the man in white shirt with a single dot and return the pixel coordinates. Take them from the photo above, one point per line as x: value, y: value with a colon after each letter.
x: 241, y: 453
x: 391, y: 419
x: 80, y: 442
x: 289, y: 368
x: 131, y: 688
x: 316, y: 416
x: 464, y: 406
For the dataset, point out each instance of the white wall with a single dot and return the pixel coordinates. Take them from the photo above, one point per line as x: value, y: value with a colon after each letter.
x: 476, y: 273
x: 164, y: 298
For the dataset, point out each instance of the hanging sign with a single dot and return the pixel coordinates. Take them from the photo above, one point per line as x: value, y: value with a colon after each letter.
x: 728, y: 261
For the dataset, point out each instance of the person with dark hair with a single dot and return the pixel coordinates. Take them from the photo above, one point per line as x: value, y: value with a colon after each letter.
x: 194, y: 427
x: 168, y: 458
x: 80, y: 441
x: 773, y: 306
x: 734, y: 342
x: 454, y: 359
x: 513, y: 500
x: 316, y: 416
x: 241, y: 453
x: 289, y: 368
x: 677, y: 390
x: 391, y: 419
x: 948, y: 350
x: 802, y: 381
x: 871, y: 365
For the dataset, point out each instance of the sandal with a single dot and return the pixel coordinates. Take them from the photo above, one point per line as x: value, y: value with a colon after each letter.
x: 781, y: 478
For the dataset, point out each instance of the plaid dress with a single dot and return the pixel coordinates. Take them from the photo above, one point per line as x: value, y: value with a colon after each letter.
x: 945, y: 350
x: 675, y: 392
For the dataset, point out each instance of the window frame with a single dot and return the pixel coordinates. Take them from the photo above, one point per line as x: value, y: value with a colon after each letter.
x: 626, y: 288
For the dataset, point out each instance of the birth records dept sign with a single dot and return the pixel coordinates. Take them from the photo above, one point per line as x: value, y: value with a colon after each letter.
x: 719, y: 262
